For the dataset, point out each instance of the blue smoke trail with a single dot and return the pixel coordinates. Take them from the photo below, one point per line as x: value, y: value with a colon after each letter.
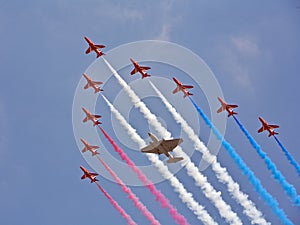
x: 272, y: 202
x: 288, y: 155
x: 288, y: 188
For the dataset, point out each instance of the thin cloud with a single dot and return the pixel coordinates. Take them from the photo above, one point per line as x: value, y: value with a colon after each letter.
x: 235, y: 68
x: 165, y: 33
x: 245, y: 46
x: 3, y: 125
x: 118, y: 12
x: 236, y: 54
x: 170, y: 17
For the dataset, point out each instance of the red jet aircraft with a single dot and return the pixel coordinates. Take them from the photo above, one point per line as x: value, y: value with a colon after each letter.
x: 90, y: 175
x: 226, y: 107
x: 181, y: 87
x: 140, y: 69
x: 266, y: 126
x: 93, y: 84
x: 88, y: 147
x: 93, y: 118
x: 93, y: 47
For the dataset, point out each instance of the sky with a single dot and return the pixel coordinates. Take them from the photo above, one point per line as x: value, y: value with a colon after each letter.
x: 252, y: 49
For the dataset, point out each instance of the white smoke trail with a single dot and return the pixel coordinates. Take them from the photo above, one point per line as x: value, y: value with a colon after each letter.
x: 200, y: 180
x: 184, y: 195
x: 233, y: 188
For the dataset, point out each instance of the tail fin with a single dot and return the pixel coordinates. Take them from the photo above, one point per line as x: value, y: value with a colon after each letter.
x: 232, y: 113
x: 146, y: 75
x: 272, y: 133
x: 95, y: 153
x: 97, y: 122
x: 99, y: 53
x: 187, y: 94
x: 174, y: 159
x: 94, y: 180
x: 98, y: 89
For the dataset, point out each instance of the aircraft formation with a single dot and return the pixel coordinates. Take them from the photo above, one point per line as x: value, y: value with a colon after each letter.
x: 166, y: 146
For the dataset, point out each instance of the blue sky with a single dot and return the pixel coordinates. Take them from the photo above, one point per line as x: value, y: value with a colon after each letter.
x: 253, y: 50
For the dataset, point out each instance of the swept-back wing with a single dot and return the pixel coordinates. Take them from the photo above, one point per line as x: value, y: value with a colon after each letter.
x: 150, y: 149
x: 169, y: 145
x: 134, y: 71
x: 221, y: 109
x: 232, y: 106
x: 100, y: 46
x: 261, y: 130
x: 176, y: 90
x: 88, y: 50
x: 94, y: 174
x: 188, y: 86
x: 145, y: 67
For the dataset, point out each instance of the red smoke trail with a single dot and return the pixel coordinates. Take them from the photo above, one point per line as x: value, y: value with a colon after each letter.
x: 131, y: 195
x: 116, y: 205
x: 158, y: 195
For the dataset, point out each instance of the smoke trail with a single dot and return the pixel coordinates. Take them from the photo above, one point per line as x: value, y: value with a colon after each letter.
x: 185, y: 196
x: 272, y: 202
x: 159, y: 196
x: 131, y: 195
x: 200, y: 180
x: 117, y: 206
x: 288, y: 155
x: 233, y: 188
x: 288, y: 188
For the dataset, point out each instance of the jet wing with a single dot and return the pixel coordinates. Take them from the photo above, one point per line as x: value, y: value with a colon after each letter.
x: 150, y: 149
x: 176, y: 90
x: 88, y: 50
x: 94, y: 174
x: 133, y: 71
x: 233, y: 106
x: 220, y: 109
x: 145, y: 67
x: 261, y: 130
x: 169, y: 145
x: 188, y: 86
x: 100, y: 46
x: 273, y: 126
